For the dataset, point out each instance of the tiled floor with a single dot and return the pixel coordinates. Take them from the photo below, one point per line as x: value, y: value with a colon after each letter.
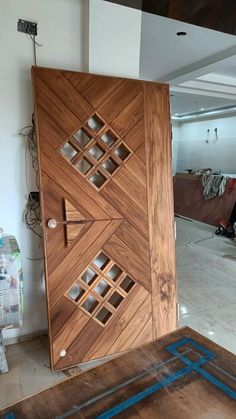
x: 206, y: 282
x: 207, y: 297
x: 29, y: 371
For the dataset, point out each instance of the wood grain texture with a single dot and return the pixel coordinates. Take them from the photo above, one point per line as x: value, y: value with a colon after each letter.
x: 132, y: 187
x: 116, y: 326
x: 68, y: 95
x: 60, y: 313
x: 133, y: 239
x: 159, y: 171
x: 129, y: 117
x: 51, y: 104
x: 191, y: 396
x: 101, y: 89
x: 189, y: 201
x: 137, y: 169
x: 68, y: 333
x: 146, y: 335
x: 111, y: 217
x: 129, y: 261
x: 127, y: 207
x: 66, y: 177
x: 73, y: 264
x: 87, y: 336
x: 133, y: 328
x: 135, y: 137
x: 141, y: 153
x: 81, y: 81
x: 119, y: 99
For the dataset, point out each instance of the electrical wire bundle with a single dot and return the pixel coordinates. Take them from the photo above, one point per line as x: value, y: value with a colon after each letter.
x: 32, y: 212
x: 32, y: 216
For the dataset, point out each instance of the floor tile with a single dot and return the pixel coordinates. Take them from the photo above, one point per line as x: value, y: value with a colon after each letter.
x: 207, y: 326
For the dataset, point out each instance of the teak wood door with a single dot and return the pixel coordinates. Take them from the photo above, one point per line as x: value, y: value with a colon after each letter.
x: 106, y: 181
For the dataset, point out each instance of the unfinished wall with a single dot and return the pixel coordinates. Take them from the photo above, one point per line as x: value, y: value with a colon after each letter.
x: 62, y: 31
x: 194, y: 153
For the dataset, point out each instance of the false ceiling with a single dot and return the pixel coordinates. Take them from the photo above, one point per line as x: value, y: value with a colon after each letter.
x: 200, y: 67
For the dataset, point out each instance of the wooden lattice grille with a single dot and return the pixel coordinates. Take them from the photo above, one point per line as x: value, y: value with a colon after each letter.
x: 96, y: 151
x: 101, y: 289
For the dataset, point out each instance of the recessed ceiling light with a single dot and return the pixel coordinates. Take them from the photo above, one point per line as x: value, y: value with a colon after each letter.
x: 202, y: 109
x: 176, y: 114
x: 181, y: 33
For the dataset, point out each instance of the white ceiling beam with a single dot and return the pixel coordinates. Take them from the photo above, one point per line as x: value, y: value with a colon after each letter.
x: 212, y: 87
x: 202, y: 92
x: 198, y: 68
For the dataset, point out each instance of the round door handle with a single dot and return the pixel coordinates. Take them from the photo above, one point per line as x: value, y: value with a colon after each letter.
x: 52, y: 223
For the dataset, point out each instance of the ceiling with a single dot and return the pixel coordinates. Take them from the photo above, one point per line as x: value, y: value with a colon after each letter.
x: 200, y: 67
x: 182, y: 103
x: 219, y: 15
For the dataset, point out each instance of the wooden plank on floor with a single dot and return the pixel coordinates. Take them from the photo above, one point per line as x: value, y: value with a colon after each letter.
x: 149, y: 382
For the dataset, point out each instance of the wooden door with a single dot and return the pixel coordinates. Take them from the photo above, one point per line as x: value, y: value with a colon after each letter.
x: 106, y: 179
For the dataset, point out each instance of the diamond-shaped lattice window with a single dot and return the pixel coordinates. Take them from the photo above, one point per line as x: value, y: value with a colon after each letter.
x: 101, y: 288
x: 96, y: 151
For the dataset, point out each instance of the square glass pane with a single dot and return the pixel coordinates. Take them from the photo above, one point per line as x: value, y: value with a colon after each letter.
x: 90, y: 304
x: 95, y: 123
x: 96, y: 152
x: 68, y: 151
x: 116, y: 299
x: 83, y: 165
x: 103, y: 315
x: 127, y: 284
x: 82, y: 137
x: 101, y: 261
x: 98, y: 179
x: 102, y: 288
x: 110, y: 165
x: 109, y: 138
x: 114, y: 273
x: 76, y: 292
x: 122, y: 152
x: 89, y: 276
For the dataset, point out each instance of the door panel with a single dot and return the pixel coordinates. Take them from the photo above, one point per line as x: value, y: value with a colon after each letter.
x: 105, y: 173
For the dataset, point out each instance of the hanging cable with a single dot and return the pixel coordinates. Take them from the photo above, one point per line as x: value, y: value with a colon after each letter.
x: 35, y: 43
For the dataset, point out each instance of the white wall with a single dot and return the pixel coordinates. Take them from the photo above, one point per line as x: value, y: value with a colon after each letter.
x: 175, y: 143
x: 62, y: 31
x: 194, y: 153
x: 114, y: 39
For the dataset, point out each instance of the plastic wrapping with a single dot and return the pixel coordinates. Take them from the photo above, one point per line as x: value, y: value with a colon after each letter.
x: 11, y: 283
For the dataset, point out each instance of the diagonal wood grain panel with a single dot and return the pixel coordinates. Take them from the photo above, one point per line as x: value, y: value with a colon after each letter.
x: 128, y: 208
x: 132, y: 263
x: 134, y: 328
x: 65, y: 91
x: 119, y: 99
x: 129, y: 117
x: 146, y: 335
x: 115, y: 327
x: 101, y: 89
x: 51, y: 104
x: 81, y: 81
x: 132, y: 187
x: 60, y: 313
